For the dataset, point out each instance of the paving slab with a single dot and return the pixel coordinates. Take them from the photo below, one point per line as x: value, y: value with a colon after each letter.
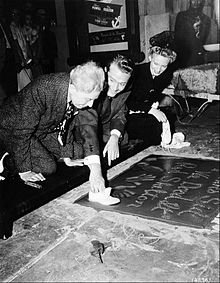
x: 140, y: 251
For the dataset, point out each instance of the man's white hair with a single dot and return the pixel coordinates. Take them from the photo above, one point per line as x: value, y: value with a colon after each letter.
x: 87, y: 77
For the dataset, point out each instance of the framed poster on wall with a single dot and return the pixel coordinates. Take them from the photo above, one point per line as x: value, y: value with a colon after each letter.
x: 107, y: 25
x: 113, y: 26
x: 99, y: 29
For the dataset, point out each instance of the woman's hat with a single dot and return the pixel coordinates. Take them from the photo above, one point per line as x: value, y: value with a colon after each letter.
x: 164, y: 39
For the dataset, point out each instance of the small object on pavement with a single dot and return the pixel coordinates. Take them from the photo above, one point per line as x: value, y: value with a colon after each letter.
x: 99, y: 248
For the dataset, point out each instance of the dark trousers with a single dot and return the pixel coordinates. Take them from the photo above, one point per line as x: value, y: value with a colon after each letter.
x: 48, y: 66
x: 144, y: 127
x: 45, y: 152
x: 147, y: 128
x: 9, y: 74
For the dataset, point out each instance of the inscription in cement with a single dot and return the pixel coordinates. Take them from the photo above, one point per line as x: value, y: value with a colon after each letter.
x: 172, y: 189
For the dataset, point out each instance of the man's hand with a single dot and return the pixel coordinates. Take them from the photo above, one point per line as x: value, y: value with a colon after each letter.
x: 112, y: 149
x: 31, y: 176
x: 73, y: 162
x: 97, y: 182
x: 159, y: 115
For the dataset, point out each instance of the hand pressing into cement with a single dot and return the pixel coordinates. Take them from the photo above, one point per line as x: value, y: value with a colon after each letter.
x: 97, y: 182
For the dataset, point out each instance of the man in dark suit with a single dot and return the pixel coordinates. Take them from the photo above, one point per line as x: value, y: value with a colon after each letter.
x: 191, y: 31
x: 32, y: 123
x: 111, y: 105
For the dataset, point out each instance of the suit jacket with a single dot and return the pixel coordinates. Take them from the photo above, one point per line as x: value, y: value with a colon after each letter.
x: 36, y: 111
x: 117, y: 116
x: 146, y: 90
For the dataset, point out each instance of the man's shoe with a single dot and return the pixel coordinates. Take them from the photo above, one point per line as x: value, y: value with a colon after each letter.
x: 104, y: 197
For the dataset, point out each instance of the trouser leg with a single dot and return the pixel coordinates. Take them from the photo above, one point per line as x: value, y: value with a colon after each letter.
x: 44, y: 154
x: 9, y: 74
x: 145, y: 127
x: 171, y: 117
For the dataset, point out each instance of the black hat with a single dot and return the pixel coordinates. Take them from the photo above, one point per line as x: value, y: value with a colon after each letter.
x: 164, y: 39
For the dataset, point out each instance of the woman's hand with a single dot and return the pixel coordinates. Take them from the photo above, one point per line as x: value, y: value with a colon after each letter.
x: 159, y: 115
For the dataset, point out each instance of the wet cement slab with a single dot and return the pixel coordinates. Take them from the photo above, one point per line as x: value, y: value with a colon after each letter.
x: 54, y: 242
x: 176, y: 190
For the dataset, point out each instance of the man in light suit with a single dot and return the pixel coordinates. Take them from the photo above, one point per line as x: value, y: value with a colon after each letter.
x: 32, y: 121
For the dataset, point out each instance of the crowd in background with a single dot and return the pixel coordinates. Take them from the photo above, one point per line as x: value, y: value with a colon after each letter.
x: 28, y: 46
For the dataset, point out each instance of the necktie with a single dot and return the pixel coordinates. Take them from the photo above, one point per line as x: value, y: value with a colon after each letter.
x: 106, y: 109
x: 64, y: 124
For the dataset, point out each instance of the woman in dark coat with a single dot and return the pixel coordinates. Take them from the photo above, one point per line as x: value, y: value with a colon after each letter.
x: 147, y: 105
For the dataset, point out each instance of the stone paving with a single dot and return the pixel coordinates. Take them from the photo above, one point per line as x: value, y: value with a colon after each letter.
x: 53, y: 243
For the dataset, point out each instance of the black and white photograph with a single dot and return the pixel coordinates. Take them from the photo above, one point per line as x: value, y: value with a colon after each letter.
x: 109, y: 140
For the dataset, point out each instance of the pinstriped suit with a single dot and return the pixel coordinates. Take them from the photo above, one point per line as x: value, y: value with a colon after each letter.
x: 28, y: 119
